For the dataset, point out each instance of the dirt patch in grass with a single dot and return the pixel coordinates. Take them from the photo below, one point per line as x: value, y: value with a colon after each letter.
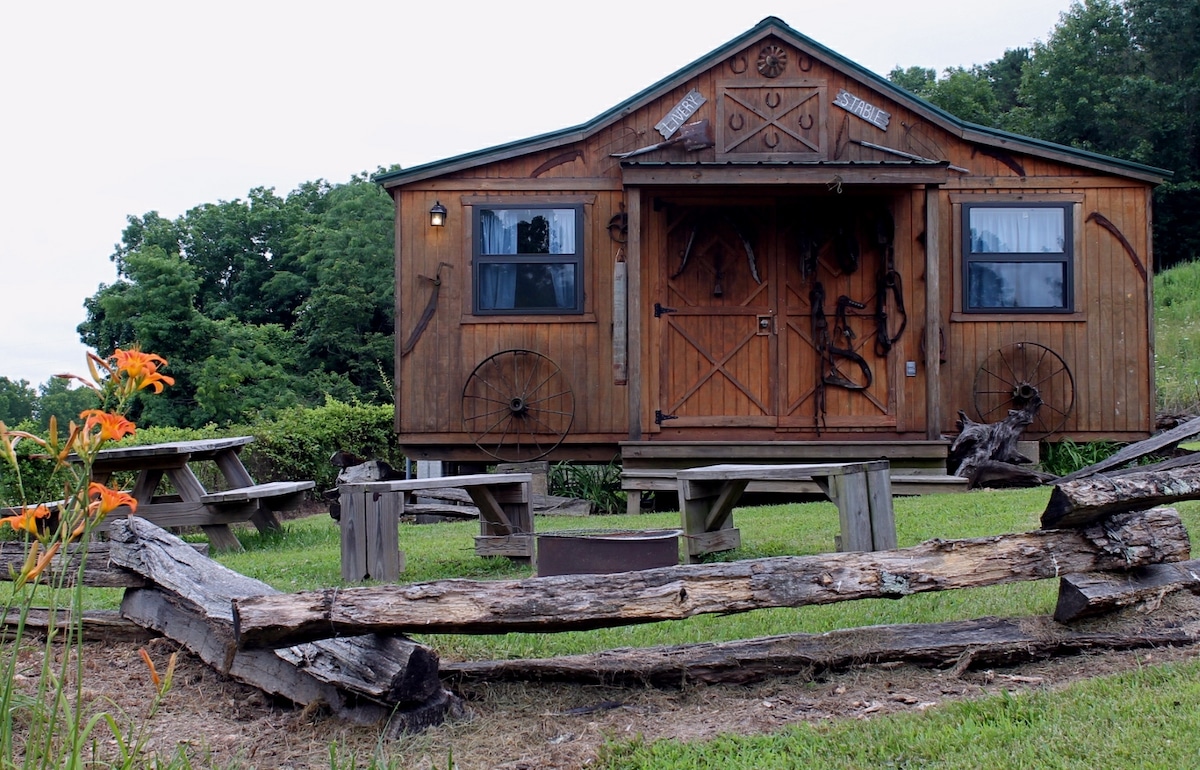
x: 220, y: 723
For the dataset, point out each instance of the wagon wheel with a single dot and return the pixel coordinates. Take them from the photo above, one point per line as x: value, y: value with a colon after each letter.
x: 1014, y: 375
x: 517, y: 405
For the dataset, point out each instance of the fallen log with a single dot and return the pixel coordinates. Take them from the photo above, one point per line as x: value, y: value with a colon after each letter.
x: 64, y: 568
x: 1083, y: 501
x: 964, y: 644
x: 191, y: 604
x: 579, y: 602
x: 97, y: 625
x: 991, y: 474
x: 1081, y: 596
x: 1165, y: 440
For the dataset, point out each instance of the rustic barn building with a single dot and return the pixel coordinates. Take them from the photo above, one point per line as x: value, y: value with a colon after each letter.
x: 772, y: 253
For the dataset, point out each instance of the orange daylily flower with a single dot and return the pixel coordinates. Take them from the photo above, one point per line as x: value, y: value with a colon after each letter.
x: 142, y: 369
x: 113, y: 427
x: 105, y: 500
x: 27, y: 520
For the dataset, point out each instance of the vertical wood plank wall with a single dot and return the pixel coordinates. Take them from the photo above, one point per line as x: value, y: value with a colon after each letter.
x: 1106, y: 343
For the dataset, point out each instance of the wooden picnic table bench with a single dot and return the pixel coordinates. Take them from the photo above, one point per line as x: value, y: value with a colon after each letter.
x: 370, y: 519
x: 192, y: 504
x: 860, y: 490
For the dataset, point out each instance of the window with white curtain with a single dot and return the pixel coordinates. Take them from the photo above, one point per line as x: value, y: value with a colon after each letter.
x: 1017, y: 257
x: 528, y: 259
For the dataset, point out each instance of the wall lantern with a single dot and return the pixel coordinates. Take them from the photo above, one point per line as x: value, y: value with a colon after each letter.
x: 437, y: 215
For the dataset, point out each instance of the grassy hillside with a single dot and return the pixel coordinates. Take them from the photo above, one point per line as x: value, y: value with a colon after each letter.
x: 1177, y: 338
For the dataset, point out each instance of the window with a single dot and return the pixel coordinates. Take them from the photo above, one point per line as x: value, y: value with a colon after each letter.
x: 528, y: 260
x: 1018, y: 257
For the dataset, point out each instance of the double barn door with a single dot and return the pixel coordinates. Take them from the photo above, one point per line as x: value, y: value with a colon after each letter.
x: 745, y: 338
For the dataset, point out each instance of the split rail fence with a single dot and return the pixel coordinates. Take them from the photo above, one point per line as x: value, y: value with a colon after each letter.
x: 1110, y: 540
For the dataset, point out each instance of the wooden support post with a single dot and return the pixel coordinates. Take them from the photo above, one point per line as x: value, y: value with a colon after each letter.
x: 705, y: 511
x: 933, y: 314
x: 849, y: 493
x: 370, y: 535
x: 883, y: 517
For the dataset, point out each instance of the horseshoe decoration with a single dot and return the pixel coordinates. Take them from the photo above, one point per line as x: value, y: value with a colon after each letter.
x: 805, y: 63
x: 778, y: 98
x: 734, y: 63
x: 740, y: 121
x: 811, y: 122
x: 771, y: 140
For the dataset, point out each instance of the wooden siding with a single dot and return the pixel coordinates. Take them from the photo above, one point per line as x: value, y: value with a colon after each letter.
x: 1105, y: 343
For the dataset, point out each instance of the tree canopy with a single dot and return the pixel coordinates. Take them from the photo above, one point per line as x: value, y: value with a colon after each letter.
x: 258, y: 304
x: 1117, y: 77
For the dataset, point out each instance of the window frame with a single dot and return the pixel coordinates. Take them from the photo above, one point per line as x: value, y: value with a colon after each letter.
x: 479, y: 260
x: 1067, y: 258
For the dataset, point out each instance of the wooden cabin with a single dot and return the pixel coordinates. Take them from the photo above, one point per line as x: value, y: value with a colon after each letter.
x: 772, y: 254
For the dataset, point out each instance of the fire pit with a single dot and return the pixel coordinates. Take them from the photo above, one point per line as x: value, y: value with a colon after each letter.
x: 597, y: 551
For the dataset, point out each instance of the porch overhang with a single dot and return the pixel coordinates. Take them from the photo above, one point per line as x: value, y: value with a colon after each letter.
x: 678, y: 173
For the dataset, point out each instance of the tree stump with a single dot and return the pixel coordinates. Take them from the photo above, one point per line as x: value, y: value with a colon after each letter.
x: 986, y: 453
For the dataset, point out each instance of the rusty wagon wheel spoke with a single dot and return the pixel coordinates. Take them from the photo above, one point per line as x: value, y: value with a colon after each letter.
x: 517, y: 405
x: 1012, y: 376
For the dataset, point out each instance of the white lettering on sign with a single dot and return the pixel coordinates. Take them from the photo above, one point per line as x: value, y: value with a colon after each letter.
x: 680, y: 113
x: 868, y: 112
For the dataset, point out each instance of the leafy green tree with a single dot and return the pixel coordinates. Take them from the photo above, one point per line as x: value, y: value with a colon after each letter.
x: 348, y: 322
x: 1081, y: 86
x: 966, y: 94
x: 916, y: 80
x: 59, y: 399
x: 258, y: 304
x: 18, y: 401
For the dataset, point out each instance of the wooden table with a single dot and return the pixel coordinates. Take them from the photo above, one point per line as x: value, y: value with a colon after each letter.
x: 861, y: 491
x: 192, y: 505
x: 371, y: 511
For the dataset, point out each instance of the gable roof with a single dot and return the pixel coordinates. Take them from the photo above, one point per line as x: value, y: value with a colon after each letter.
x: 967, y: 131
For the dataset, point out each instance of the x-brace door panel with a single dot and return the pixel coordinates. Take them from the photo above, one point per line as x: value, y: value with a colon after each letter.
x: 717, y: 325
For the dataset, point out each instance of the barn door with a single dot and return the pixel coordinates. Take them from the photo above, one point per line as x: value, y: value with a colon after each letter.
x: 834, y: 352
x: 716, y: 318
x: 753, y: 301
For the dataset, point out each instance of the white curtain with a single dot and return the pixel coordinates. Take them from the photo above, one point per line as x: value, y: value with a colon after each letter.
x: 1017, y: 230
x: 498, y: 231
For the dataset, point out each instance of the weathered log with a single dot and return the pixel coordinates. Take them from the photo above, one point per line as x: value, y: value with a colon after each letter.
x: 971, y: 643
x: 1155, y: 443
x: 1083, y: 501
x: 978, y: 443
x: 64, y: 568
x: 390, y: 670
x: 997, y: 475
x: 180, y: 620
x: 97, y: 625
x: 1081, y: 596
x: 577, y: 602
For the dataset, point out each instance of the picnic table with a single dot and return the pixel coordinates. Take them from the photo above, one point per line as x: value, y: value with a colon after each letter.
x: 239, y: 498
x: 860, y: 490
x: 371, y: 514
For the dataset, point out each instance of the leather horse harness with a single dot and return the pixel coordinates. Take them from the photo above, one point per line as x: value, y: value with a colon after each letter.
x: 836, y: 348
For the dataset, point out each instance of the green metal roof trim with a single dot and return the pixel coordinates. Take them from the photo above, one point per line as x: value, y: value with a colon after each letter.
x: 774, y: 25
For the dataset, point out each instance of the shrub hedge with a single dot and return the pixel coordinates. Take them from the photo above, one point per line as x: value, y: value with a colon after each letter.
x: 295, y: 446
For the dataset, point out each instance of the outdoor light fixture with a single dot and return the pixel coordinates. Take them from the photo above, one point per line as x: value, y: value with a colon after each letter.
x: 437, y: 215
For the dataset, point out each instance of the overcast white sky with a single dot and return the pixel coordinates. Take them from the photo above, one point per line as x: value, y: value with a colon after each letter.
x: 115, y: 108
